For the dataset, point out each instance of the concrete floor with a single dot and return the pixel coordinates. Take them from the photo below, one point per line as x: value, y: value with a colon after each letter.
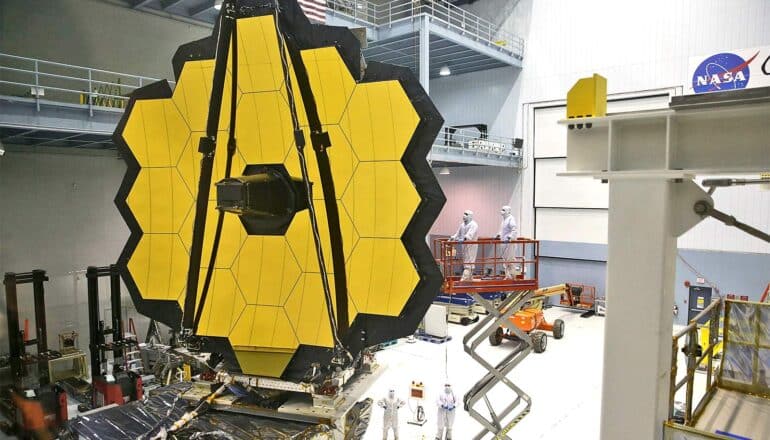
x: 564, y: 382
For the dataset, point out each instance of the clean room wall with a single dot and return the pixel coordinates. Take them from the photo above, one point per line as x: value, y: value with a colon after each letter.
x: 94, y: 34
x: 635, y: 47
x: 486, y: 97
x: 739, y: 273
x: 59, y: 215
x: 481, y: 189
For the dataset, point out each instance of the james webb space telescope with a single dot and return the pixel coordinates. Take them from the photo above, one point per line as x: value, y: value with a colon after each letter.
x: 279, y: 197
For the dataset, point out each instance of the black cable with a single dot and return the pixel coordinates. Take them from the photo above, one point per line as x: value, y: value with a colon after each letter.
x: 320, y: 142
x: 231, y: 149
x: 300, y: 145
x: 207, y: 147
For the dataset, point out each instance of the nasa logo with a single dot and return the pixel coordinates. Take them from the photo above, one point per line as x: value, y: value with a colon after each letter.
x: 723, y: 71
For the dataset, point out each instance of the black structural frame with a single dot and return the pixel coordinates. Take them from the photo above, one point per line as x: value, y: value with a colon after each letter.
x: 17, y: 345
x: 366, y: 330
x: 207, y: 147
x: 96, y: 328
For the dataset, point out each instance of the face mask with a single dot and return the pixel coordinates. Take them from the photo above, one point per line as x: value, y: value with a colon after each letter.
x: 392, y: 394
x: 448, y: 390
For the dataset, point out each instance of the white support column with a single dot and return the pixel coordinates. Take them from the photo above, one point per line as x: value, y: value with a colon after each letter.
x: 640, y: 296
x: 424, y: 52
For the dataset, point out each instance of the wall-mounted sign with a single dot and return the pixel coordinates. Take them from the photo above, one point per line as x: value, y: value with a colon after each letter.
x: 738, y: 69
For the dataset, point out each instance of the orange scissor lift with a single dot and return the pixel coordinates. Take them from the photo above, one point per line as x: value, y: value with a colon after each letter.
x: 498, y: 267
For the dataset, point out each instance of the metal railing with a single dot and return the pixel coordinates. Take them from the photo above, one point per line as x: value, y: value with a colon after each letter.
x: 468, y: 140
x: 48, y: 80
x: 386, y: 14
x: 496, y: 266
x: 696, y: 355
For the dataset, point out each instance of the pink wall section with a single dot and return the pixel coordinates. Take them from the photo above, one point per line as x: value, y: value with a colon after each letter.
x: 483, y: 190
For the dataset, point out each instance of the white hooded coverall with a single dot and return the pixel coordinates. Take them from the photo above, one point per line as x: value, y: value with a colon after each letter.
x: 447, y: 402
x: 508, y: 232
x: 390, y: 405
x: 468, y: 231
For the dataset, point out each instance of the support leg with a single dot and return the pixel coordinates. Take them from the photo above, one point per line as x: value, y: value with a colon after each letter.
x: 424, y: 53
x: 640, y: 285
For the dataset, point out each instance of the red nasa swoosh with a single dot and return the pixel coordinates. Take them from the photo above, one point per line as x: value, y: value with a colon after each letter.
x: 736, y: 69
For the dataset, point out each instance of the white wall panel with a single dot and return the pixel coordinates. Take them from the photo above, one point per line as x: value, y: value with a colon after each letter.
x: 573, y: 225
x: 550, y: 137
x: 637, y: 104
x: 552, y: 190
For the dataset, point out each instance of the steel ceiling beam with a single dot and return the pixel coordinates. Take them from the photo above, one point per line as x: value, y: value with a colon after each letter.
x: 469, y: 69
x: 59, y: 139
x: 200, y: 10
x: 168, y: 4
x: 464, y: 56
x: 22, y: 134
x: 141, y: 4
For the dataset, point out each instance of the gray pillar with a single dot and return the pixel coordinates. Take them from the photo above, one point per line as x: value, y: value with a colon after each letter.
x: 424, y: 53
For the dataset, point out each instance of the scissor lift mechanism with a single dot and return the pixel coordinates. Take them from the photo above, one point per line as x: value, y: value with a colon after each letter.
x: 523, y: 288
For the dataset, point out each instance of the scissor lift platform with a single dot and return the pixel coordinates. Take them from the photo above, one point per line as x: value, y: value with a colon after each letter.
x: 501, y: 267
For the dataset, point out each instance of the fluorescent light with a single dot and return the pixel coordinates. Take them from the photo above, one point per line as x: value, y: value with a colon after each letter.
x: 444, y: 171
x: 217, y: 4
x: 445, y: 72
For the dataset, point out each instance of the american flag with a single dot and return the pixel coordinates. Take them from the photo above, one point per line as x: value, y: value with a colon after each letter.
x: 315, y: 10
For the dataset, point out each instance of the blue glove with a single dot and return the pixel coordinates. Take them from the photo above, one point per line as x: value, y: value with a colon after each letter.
x: 461, y: 239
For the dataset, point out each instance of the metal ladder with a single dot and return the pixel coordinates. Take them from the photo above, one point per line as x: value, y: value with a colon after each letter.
x: 134, y: 362
x: 497, y: 374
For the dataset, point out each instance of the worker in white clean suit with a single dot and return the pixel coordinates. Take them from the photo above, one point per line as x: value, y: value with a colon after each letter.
x: 507, y: 233
x: 468, y: 231
x: 447, y: 402
x: 390, y: 405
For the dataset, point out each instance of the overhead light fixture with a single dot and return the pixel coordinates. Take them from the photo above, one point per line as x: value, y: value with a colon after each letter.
x: 217, y: 4
x: 445, y: 72
x: 444, y: 171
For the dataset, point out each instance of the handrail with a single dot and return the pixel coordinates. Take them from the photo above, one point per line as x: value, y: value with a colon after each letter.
x: 496, y: 266
x: 476, y: 141
x: 389, y: 13
x: 31, y: 77
x: 713, y: 311
x: 694, y: 321
x: 54, y: 63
